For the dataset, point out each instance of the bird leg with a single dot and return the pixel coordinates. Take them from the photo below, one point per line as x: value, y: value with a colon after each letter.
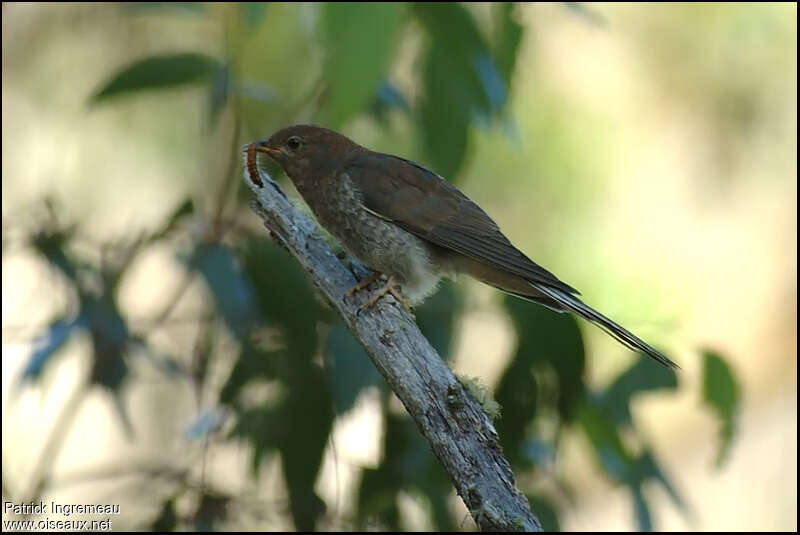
x: 363, y: 283
x: 391, y: 287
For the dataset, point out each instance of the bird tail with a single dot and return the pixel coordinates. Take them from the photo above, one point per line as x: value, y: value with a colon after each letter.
x: 572, y: 303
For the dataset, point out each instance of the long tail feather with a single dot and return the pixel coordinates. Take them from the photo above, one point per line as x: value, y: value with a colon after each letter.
x: 572, y: 303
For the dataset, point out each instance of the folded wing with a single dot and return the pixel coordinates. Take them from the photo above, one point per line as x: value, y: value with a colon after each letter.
x: 424, y: 204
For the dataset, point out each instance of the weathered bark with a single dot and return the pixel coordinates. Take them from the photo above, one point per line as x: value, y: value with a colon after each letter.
x: 452, y: 421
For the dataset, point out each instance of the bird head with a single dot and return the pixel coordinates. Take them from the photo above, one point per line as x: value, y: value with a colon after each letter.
x: 307, y: 152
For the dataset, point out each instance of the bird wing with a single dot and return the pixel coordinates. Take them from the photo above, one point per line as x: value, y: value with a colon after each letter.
x: 426, y: 205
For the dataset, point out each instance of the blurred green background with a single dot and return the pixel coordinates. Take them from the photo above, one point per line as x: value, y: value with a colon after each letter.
x: 161, y: 353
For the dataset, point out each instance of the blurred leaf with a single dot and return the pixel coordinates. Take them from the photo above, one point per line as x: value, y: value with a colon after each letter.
x: 507, y: 39
x: 643, y: 376
x: 455, y: 36
x: 211, y: 511
x: 252, y: 13
x: 619, y: 462
x: 388, y: 97
x: 410, y: 456
x: 648, y: 468
x: 51, y: 242
x: 158, y: 72
x: 550, y: 338
x: 255, y: 91
x: 260, y: 426
x: 517, y: 395
x: 444, y: 114
x: 205, y: 423
x: 437, y: 317
x: 538, y: 451
x: 377, y: 500
x: 453, y: 90
x: 46, y: 346
x: 545, y: 512
x: 165, y: 363
x: 219, y: 91
x: 232, y: 290
x: 299, y: 422
x: 360, y: 39
x: 186, y: 208
x: 307, y: 422
x: 110, y: 341
x: 284, y: 293
x: 252, y: 364
x: 493, y: 84
x: 641, y: 509
x: 721, y: 394
x: 580, y: 9
x: 606, y: 442
x: 350, y: 368
x: 167, y: 520
x: 408, y: 464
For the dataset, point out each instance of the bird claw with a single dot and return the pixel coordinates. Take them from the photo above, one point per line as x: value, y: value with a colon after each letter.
x: 389, y: 288
x: 363, y: 283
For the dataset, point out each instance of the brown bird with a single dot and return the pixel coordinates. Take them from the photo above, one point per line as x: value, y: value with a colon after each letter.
x: 412, y: 225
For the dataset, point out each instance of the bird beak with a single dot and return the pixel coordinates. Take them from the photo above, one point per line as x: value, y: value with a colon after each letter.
x: 272, y: 152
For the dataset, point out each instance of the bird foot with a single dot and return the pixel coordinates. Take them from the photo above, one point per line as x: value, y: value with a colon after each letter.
x: 363, y: 283
x: 390, y: 287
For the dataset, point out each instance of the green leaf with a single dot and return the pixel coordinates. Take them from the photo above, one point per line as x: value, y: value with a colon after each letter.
x: 507, y: 39
x: 445, y: 114
x: 359, y: 41
x: 552, y: 339
x: 306, y: 422
x: 110, y: 341
x: 721, y: 394
x: 462, y: 83
x: 641, y: 509
x: 546, y: 513
x: 51, y: 244
x: 619, y: 463
x: 299, y: 423
x: 158, y: 72
x: 253, y: 363
x: 455, y: 35
x: 284, y: 294
x: 210, y: 511
x: 186, y: 208
x: 48, y: 344
x: 349, y: 367
x: 377, y: 500
x: 517, y: 395
x: 388, y: 97
x: 261, y: 427
x: 453, y: 89
x: 648, y: 468
x: 580, y: 9
x: 408, y: 464
x: 643, y: 376
x: 167, y: 519
x: 437, y: 317
x: 606, y: 442
x: 232, y: 290
x: 218, y: 92
x: 252, y: 13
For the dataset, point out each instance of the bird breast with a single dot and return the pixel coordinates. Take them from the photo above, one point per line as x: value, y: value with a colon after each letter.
x: 376, y: 242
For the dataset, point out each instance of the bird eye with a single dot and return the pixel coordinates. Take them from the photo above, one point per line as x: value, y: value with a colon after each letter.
x: 294, y: 143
